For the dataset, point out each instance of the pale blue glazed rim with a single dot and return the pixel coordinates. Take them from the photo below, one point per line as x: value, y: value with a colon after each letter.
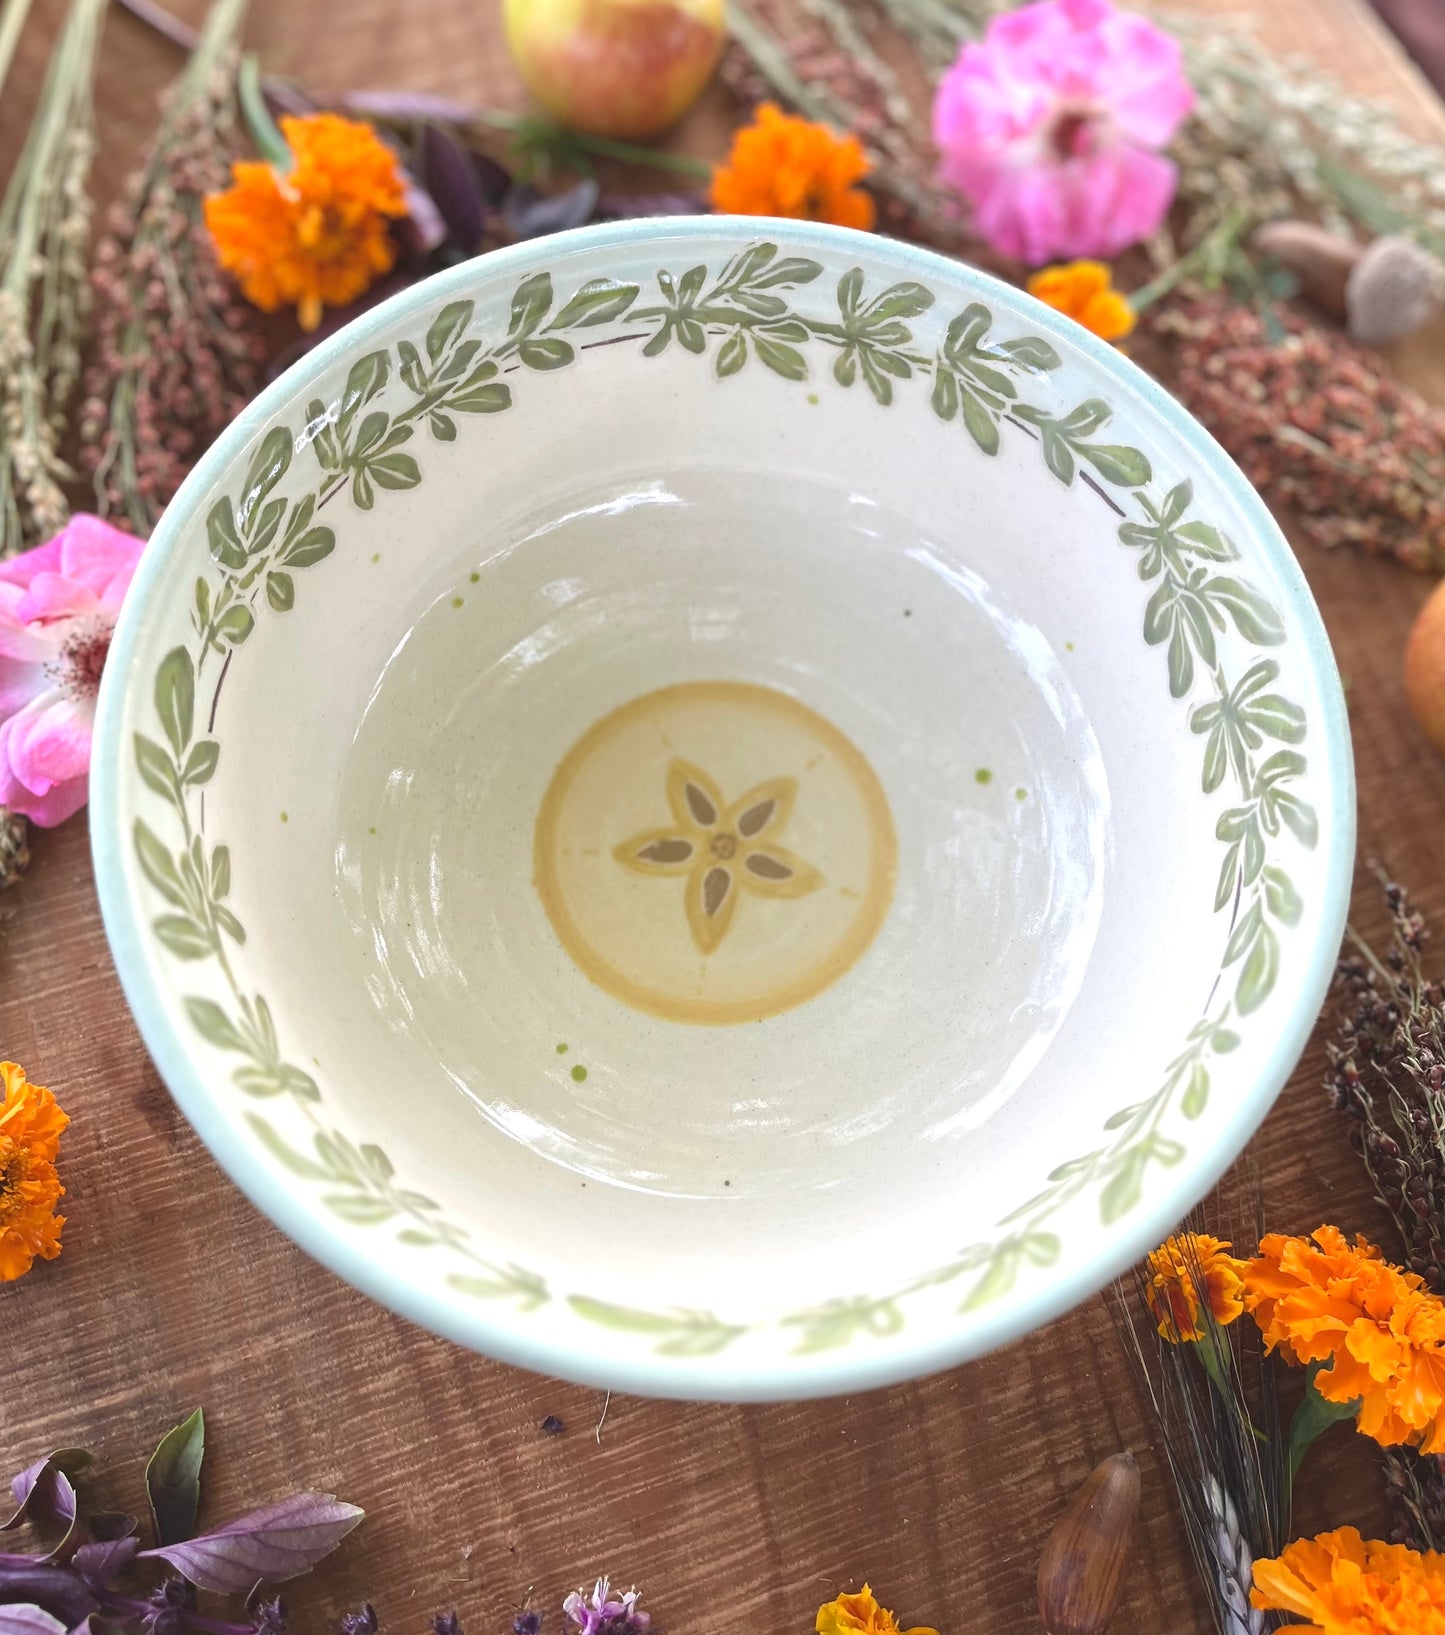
x: 529, y: 1344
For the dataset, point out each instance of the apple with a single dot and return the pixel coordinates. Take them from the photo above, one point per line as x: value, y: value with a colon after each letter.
x: 1425, y: 669
x: 626, y: 69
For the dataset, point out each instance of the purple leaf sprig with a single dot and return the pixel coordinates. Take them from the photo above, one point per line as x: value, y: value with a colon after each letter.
x: 85, y: 1576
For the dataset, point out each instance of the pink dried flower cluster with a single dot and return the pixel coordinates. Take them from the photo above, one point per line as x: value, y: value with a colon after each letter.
x: 178, y: 351
x: 1318, y: 426
x: 1051, y: 127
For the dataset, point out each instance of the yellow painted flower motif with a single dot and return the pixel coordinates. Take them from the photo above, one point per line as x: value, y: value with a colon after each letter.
x: 721, y: 850
x: 860, y: 1614
x: 1084, y: 291
x: 1187, y: 1273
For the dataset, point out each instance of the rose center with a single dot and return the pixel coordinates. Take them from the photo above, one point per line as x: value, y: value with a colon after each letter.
x: 723, y: 847
x: 1073, y: 134
x: 83, y: 658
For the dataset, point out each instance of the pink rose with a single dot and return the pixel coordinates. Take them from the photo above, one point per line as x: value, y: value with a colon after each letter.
x: 58, y: 607
x: 1051, y: 126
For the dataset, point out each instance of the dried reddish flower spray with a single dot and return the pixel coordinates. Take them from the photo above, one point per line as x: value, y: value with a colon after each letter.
x: 177, y: 351
x: 1317, y: 426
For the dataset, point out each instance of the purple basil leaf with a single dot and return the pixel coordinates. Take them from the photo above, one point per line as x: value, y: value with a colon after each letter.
x: 173, y: 1479
x: 44, y: 1494
x: 97, y: 1564
x: 448, y: 174
x: 56, y: 1589
x: 495, y: 179
x: 106, y: 1525
x: 424, y: 226
x: 26, y: 1619
x: 97, y: 1623
x: 404, y: 107
x: 275, y: 1543
x: 629, y: 206
x: 531, y: 214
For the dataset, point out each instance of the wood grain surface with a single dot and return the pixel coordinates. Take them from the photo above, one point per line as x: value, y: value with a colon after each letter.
x: 172, y: 1291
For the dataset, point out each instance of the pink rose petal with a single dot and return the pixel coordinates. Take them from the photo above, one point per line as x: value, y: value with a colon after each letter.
x: 50, y: 743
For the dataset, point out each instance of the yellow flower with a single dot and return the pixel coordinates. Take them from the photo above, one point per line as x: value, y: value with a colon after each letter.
x: 1379, y: 1328
x: 1342, y: 1584
x: 781, y: 166
x: 1187, y: 1273
x: 861, y: 1615
x: 30, y: 1126
x: 1083, y: 291
x: 316, y: 235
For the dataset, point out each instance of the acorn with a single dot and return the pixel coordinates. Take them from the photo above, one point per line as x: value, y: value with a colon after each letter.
x: 1381, y: 290
x: 1081, y: 1572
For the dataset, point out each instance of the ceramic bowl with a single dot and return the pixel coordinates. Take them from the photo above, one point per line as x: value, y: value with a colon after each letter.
x: 721, y: 808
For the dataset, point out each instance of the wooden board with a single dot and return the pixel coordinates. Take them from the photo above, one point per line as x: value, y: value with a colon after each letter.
x: 172, y: 1291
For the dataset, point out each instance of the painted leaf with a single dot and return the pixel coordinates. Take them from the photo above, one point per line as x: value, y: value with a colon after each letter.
x: 173, y: 1479
x: 905, y: 300
x: 1117, y: 463
x: 1032, y: 351
x: 997, y: 1280
x: 783, y: 360
x: 411, y: 369
x: 269, y: 464
x: 366, y: 377
x: 944, y: 400
x: 221, y: 534
x: 967, y: 331
x: 278, y: 1542
x: 212, y: 1023
x: 1281, y: 898
x: 294, y: 1161
x: 359, y: 1209
x: 201, y: 763
x: 281, y: 591
x: 512, y: 1283
x: 448, y: 327
x: 1261, y: 969
x: 731, y: 355
x: 981, y: 425
x: 599, y: 301
x: 1255, y: 619
x: 396, y: 471
x: 157, y: 865
x: 551, y: 352
x: 1125, y: 1187
x: 1058, y: 456
x: 530, y: 305
x: 850, y: 291
x: 175, y: 695
x: 183, y: 936
x: 156, y: 768
x: 1196, y: 1096
x: 791, y: 270
x: 236, y: 624
x: 314, y: 546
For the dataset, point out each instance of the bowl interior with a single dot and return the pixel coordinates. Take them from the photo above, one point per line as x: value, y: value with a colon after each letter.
x: 766, y: 821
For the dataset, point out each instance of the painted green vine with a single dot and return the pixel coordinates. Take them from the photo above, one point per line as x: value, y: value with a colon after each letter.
x: 364, y: 443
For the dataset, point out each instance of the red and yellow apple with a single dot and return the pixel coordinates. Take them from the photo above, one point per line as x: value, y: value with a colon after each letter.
x: 626, y: 69
x: 1425, y: 669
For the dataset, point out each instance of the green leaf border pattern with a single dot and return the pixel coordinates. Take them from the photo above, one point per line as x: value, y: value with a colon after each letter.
x: 363, y: 444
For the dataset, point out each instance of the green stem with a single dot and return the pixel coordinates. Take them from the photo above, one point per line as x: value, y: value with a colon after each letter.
x: 264, y: 132
x: 603, y: 147
x: 1225, y: 234
x: 1312, y: 1419
x: 12, y: 20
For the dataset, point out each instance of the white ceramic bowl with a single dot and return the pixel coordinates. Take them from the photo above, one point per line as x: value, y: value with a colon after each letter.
x: 722, y: 808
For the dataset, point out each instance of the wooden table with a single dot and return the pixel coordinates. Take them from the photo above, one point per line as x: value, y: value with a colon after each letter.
x: 172, y: 1291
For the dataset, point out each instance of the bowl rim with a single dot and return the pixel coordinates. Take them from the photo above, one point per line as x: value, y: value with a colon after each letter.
x: 529, y: 1345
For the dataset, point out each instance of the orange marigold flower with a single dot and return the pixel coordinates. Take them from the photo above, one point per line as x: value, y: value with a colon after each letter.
x: 30, y: 1126
x: 1342, y: 1584
x: 1188, y: 1272
x: 1379, y: 1328
x: 316, y: 235
x: 861, y: 1615
x: 1083, y: 291
x: 781, y: 166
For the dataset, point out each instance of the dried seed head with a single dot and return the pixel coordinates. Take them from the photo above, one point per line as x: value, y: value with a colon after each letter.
x: 1392, y: 290
x: 1081, y: 1572
x: 14, y: 847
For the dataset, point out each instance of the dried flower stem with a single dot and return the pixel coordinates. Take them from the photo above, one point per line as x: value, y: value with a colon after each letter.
x: 1387, y: 1076
x: 179, y: 353
x: 44, y: 233
x: 12, y: 22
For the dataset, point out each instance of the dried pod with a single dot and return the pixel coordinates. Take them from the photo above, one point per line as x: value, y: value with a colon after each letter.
x: 14, y: 847
x: 1081, y: 1572
x: 1393, y: 289
x: 1322, y: 261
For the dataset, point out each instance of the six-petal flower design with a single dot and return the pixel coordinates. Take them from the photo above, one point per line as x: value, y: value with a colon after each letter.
x: 721, y: 851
